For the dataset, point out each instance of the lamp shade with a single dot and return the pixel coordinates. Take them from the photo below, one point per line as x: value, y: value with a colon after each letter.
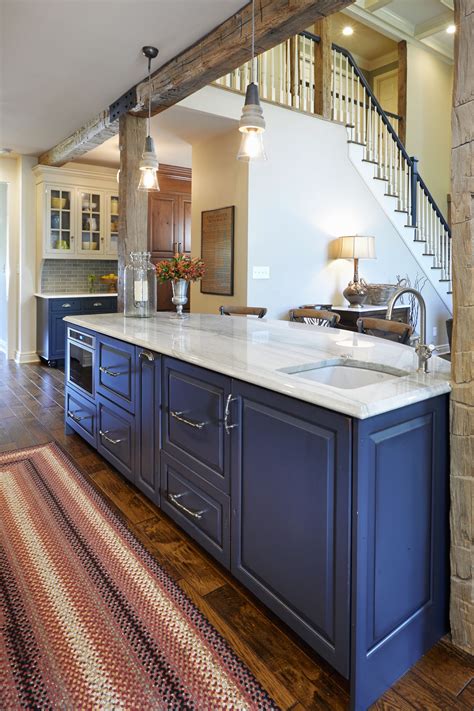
x: 357, y: 247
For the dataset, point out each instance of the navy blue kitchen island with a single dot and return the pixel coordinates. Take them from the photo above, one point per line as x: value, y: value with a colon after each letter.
x: 338, y: 523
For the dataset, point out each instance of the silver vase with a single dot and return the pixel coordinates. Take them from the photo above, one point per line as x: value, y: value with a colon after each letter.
x: 180, y: 296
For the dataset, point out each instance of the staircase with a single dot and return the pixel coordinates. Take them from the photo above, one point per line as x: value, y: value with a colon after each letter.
x: 285, y: 76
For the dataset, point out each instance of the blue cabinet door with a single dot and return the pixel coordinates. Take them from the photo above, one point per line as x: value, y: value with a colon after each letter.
x: 148, y: 423
x: 116, y: 371
x: 116, y: 436
x: 291, y: 516
x: 194, y: 403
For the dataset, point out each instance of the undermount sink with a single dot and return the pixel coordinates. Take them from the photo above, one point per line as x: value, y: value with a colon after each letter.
x: 345, y: 374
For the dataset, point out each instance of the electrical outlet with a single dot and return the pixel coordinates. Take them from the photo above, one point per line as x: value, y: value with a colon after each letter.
x: 435, y: 331
x: 261, y: 273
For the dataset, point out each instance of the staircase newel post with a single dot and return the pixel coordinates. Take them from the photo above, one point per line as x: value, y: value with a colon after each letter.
x: 413, y: 188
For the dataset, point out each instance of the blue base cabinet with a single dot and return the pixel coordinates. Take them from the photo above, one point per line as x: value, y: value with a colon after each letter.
x: 291, y: 483
x: 338, y: 525
x: 50, y: 327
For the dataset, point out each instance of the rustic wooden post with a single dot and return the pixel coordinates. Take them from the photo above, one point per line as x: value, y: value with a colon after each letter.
x: 132, y: 233
x: 402, y: 90
x: 322, y: 70
x: 462, y: 398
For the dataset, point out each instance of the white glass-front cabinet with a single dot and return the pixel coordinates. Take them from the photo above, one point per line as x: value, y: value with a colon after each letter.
x: 77, y: 212
x: 60, y: 214
x: 112, y: 226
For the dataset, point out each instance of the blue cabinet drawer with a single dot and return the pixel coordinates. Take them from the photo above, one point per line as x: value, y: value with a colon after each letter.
x: 194, y: 402
x: 81, y: 416
x: 116, y: 436
x: 116, y: 371
x: 65, y: 306
x: 199, y: 508
x: 99, y: 304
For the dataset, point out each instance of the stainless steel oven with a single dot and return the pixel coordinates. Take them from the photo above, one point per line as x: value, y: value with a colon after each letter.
x: 80, y: 357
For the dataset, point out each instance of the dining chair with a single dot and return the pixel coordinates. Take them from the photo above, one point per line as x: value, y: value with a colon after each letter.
x: 315, y: 317
x: 258, y: 311
x: 390, y: 330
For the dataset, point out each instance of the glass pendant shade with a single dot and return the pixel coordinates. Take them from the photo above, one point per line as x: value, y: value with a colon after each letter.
x: 252, y: 127
x: 149, y: 167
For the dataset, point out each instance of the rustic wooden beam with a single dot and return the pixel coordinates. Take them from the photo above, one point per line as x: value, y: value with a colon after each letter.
x: 89, y: 136
x: 462, y: 396
x: 133, y: 217
x: 402, y: 90
x: 216, y: 54
x: 322, y: 69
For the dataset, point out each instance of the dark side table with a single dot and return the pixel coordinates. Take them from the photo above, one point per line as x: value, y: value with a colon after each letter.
x: 349, y: 316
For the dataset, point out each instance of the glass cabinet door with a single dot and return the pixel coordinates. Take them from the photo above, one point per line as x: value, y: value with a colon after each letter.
x: 59, y: 220
x: 91, y: 222
x: 113, y: 227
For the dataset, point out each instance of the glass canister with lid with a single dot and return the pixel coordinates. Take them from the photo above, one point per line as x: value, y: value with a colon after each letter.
x: 139, y: 286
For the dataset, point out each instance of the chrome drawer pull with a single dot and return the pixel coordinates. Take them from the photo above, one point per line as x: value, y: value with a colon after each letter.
x: 146, y: 354
x: 112, y: 441
x: 179, y: 416
x: 109, y: 372
x: 66, y: 306
x: 228, y: 427
x: 97, y: 303
x: 74, y: 417
x: 174, y: 498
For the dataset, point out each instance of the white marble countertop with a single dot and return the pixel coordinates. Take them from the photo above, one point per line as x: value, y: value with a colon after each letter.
x: 253, y: 350
x: 76, y: 296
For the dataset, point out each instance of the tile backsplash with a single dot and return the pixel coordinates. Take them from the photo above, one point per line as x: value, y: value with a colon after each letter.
x: 68, y: 276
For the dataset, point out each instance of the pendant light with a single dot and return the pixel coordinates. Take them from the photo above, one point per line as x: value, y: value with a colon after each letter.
x: 149, y: 162
x: 252, y: 123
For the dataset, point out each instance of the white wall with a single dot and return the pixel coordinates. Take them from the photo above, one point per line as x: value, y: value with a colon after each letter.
x: 219, y: 180
x: 305, y: 196
x: 428, y: 135
x: 3, y: 266
x: 21, y: 257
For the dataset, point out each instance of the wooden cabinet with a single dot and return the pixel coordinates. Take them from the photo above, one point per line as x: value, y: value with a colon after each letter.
x: 290, y: 514
x: 76, y: 213
x: 169, y: 223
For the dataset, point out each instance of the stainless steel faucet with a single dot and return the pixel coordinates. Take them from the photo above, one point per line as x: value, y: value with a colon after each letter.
x: 422, y: 349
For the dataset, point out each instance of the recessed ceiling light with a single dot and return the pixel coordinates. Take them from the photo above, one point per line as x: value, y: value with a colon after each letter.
x: 348, y: 31
x: 451, y: 29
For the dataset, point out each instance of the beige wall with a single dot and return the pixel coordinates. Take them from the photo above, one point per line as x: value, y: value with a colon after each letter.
x: 219, y: 180
x: 429, y: 99
x: 9, y: 175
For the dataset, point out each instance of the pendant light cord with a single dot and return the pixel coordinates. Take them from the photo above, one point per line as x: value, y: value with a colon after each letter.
x: 149, y: 95
x: 253, y: 41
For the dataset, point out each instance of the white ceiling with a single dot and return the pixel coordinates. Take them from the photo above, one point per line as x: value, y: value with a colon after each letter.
x: 417, y: 21
x: 63, y: 61
x: 174, y: 131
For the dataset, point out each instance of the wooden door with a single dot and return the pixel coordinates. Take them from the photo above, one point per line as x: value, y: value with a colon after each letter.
x: 163, y: 223
x: 185, y: 222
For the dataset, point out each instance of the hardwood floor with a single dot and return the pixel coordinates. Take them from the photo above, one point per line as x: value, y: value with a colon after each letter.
x: 31, y: 412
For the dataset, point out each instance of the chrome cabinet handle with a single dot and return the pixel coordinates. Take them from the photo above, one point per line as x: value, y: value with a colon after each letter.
x: 174, y: 499
x: 66, y: 306
x: 108, y: 372
x: 97, y: 303
x: 146, y: 354
x: 228, y: 427
x: 109, y: 439
x: 74, y: 417
x: 179, y: 416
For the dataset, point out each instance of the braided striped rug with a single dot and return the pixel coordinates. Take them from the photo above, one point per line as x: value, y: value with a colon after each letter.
x: 88, y: 619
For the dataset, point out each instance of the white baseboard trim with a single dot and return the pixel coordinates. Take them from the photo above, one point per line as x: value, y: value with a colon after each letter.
x: 26, y: 357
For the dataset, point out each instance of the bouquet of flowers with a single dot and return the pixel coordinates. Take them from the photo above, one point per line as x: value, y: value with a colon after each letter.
x: 180, y: 267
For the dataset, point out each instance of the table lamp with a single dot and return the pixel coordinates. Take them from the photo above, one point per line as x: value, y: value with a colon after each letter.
x: 356, y: 247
